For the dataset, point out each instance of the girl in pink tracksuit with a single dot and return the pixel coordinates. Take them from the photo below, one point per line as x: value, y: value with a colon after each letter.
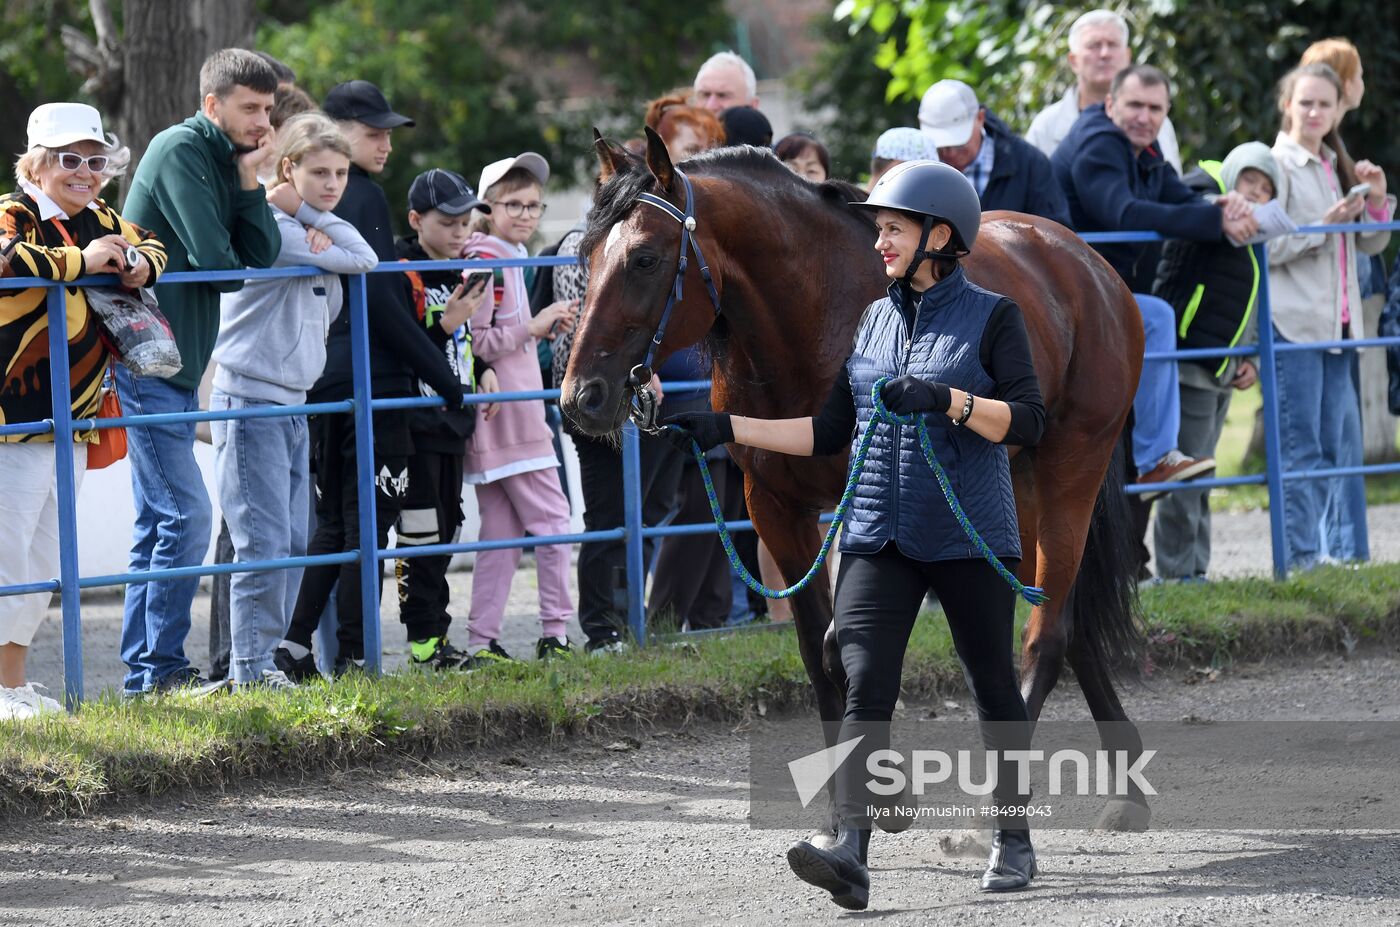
x: 510, y: 457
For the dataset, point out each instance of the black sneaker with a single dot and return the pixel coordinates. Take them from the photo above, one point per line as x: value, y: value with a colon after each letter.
x: 187, y: 682
x: 493, y: 654
x: 347, y: 666
x: 298, y: 671
x: 550, y: 648
x: 435, y: 653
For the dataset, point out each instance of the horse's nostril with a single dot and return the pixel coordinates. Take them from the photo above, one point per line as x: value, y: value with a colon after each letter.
x: 591, y: 397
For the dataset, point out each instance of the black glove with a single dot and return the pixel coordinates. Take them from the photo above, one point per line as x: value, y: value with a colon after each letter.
x: 708, y: 429
x: 907, y: 394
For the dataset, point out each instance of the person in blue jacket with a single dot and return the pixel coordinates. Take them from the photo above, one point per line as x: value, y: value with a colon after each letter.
x: 959, y: 356
x: 1115, y: 178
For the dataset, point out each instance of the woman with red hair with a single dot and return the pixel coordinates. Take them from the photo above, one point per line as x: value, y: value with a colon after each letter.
x: 686, y: 130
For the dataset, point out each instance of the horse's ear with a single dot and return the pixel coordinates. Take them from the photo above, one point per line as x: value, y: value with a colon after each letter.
x: 612, y: 157
x: 659, y: 160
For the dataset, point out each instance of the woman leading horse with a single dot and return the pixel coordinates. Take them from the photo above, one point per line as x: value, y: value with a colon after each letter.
x: 770, y: 273
x: 957, y: 356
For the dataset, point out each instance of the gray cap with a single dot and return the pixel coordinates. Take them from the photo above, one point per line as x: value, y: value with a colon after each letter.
x: 931, y: 188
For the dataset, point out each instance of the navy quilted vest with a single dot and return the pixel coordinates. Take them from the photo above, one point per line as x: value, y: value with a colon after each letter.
x: 898, y: 497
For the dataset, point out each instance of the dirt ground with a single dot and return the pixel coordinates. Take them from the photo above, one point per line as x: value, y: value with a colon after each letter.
x: 657, y: 833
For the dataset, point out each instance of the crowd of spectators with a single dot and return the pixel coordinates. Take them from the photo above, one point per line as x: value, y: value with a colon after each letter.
x: 261, y: 176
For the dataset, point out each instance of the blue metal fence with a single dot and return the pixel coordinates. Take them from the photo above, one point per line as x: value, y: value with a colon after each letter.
x: 632, y: 531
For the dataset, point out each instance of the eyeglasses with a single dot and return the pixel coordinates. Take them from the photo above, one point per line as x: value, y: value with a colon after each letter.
x: 71, y: 161
x: 515, y: 209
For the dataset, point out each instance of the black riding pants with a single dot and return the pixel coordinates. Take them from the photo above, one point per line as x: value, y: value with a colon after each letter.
x: 877, y: 601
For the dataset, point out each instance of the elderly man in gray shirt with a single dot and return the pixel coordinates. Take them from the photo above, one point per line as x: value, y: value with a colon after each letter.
x: 1098, y: 49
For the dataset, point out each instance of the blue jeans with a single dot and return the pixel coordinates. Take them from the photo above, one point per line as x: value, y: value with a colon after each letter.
x: 173, y: 522
x: 1157, y: 405
x: 262, y: 470
x: 1320, y: 428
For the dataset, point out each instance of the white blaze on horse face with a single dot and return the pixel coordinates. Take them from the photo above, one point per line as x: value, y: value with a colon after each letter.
x: 614, y: 236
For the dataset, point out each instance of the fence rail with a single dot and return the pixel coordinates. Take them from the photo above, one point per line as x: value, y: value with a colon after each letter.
x: 632, y: 531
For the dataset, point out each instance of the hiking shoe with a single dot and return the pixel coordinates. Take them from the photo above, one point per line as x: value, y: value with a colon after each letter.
x: 15, y: 705
x: 297, y: 671
x: 1175, y: 467
x: 493, y: 654
x: 187, y: 682
x: 549, y: 648
x: 273, y: 680
x: 435, y: 653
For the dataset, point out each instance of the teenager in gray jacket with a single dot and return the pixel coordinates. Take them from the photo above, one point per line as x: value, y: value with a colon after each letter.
x: 271, y: 349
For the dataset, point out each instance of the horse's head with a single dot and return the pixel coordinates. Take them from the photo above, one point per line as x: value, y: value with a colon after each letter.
x: 633, y: 249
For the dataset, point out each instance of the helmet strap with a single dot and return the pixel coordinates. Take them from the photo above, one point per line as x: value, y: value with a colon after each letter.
x: 920, y: 254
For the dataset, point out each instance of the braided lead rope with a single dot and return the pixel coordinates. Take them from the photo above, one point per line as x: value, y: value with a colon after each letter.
x: 1032, y: 594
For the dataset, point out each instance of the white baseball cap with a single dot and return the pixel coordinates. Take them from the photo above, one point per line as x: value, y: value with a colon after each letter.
x: 493, y: 172
x: 54, y: 125
x: 947, y: 113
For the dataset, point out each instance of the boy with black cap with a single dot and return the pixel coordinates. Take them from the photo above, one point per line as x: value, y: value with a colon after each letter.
x: 401, y: 354
x: 440, y: 205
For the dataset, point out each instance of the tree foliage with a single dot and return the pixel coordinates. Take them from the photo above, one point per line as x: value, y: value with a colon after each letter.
x: 483, y: 79
x: 1224, y: 58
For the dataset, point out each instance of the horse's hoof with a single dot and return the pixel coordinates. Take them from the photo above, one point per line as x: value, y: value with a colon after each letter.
x: 1125, y: 815
x: 966, y: 843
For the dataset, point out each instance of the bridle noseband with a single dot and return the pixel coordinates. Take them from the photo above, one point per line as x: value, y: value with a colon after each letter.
x: 644, y: 412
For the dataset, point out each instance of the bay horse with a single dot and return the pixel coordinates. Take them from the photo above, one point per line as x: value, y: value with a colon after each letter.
x: 792, y: 267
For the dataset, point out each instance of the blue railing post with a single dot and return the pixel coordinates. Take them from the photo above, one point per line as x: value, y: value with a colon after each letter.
x: 364, y: 472
x: 59, y: 373
x: 1268, y: 388
x: 632, y: 522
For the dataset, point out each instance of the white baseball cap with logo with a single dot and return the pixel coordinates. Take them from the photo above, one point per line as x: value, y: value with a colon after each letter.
x: 54, y: 125
x: 529, y: 161
x: 947, y: 113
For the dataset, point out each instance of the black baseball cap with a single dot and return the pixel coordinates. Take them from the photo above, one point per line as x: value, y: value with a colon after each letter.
x: 362, y: 101
x: 444, y: 191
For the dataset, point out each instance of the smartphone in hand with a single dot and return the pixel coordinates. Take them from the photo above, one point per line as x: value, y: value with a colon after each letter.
x: 1358, y: 191
x: 476, y: 280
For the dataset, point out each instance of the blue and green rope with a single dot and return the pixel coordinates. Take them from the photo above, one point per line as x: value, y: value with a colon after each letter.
x: 1032, y: 594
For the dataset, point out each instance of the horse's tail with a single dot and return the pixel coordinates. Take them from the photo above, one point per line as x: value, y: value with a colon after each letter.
x: 1105, y: 613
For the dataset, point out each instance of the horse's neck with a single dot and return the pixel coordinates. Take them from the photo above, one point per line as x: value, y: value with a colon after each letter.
x: 791, y: 316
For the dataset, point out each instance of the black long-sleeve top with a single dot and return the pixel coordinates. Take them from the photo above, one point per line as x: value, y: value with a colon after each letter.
x: 1005, y: 353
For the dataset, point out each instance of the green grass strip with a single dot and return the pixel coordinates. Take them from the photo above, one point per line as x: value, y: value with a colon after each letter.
x: 112, y: 751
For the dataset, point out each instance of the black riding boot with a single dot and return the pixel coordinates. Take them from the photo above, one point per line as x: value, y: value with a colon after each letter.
x: 837, y: 866
x: 1012, y: 864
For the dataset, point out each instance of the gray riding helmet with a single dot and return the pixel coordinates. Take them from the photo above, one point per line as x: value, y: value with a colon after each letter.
x: 934, y: 189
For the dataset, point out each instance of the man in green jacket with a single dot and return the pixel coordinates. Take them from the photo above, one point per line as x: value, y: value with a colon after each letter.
x: 197, y: 189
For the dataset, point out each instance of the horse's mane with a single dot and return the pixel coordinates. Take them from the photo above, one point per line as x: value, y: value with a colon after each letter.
x: 613, y: 201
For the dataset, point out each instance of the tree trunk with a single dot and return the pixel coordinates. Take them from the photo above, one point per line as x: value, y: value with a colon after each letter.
x: 147, y: 79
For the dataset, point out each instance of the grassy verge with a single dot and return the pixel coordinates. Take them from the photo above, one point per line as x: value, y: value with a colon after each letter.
x: 112, y: 751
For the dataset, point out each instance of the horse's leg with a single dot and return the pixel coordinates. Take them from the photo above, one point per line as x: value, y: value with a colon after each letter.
x: 1084, y: 541
x: 1062, y: 504
x: 793, y: 538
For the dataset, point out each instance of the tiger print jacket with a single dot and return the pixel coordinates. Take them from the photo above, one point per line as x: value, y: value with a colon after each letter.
x: 33, y: 246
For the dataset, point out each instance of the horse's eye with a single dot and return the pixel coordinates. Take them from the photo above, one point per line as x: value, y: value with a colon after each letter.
x: 645, y: 261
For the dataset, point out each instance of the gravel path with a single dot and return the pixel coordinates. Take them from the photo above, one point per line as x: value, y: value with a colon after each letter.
x: 1241, y: 548
x: 655, y: 833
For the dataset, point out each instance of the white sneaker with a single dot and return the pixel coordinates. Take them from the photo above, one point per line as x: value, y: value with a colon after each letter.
x: 42, y: 703
x: 15, y: 705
